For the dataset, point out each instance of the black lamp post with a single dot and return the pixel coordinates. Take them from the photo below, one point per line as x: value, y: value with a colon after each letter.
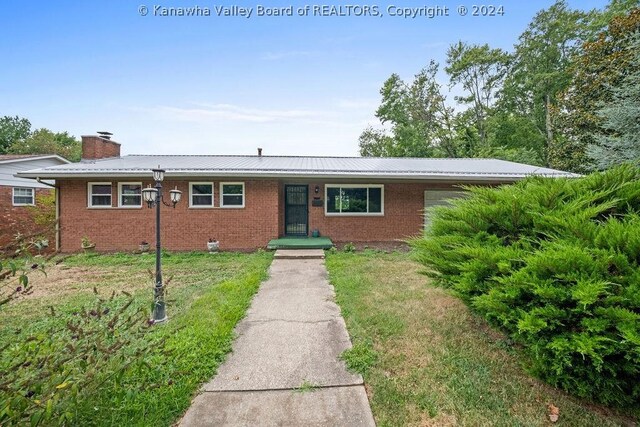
x: 153, y: 197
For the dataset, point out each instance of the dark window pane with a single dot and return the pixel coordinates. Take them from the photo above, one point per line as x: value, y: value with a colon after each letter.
x: 231, y: 200
x: 354, y: 200
x: 23, y: 200
x: 201, y: 200
x: 131, y: 200
x: 375, y: 200
x: 131, y: 189
x: 202, y: 189
x: 101, y: 189
x: 23, y: 196
x: 333, y: 199
x: 232, y: 189
x: 101, y: 200
x: 131, y: 195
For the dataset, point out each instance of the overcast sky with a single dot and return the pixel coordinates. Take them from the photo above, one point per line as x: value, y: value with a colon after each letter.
x: 293, y: 85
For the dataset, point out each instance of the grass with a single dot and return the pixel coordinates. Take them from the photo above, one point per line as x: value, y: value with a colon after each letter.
x: 208, y: 295
x: 428, y: 361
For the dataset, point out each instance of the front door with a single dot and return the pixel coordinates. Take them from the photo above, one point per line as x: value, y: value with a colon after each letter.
x: 296, y: 210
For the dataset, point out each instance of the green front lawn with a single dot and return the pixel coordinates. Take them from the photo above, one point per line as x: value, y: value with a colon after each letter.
x: 427, y: 360
x: 207, y: 296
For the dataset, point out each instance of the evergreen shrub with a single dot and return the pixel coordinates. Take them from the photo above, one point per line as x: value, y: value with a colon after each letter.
x: 554, y: 262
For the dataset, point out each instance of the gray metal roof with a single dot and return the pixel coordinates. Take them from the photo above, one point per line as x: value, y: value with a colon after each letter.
x: 287, y: 166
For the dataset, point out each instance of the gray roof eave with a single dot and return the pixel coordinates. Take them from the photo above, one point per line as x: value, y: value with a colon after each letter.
x: 36, y: 157
x: 177, y: 173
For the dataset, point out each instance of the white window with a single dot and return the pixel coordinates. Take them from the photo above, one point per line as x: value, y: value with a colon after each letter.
x: 354, y: 199
x: 201, y: 194
x: 23, y: 196
x: 433, y: 198
x: 232, y: 194
x: 99, y: 194
x: 130, y: 194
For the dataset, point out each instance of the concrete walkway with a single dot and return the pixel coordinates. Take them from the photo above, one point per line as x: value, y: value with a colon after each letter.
x: 285, y: 368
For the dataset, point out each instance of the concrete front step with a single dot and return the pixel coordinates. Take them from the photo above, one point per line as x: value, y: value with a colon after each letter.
x: 299, y: 254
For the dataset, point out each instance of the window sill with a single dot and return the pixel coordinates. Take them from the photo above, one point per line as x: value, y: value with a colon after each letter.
x: 202, y: 207
x: 22, y: 204
x: 354, y: 214
x: 232, y: 207
x: 113, y: 207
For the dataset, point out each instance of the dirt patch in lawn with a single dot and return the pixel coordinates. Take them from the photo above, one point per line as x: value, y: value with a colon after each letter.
x: 61, y: 280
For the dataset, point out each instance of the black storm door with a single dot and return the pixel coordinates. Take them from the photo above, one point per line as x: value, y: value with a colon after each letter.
x: 296, y: 212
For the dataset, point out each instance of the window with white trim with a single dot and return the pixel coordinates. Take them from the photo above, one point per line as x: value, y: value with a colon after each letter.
x: 23, y: 196
x: 354, y: 199
x: 201, y: 194
x: 232, y: 194
x: 99, y: 194
x: 130, y: 194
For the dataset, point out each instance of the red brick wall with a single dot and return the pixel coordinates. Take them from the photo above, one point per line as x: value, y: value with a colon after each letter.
x: 18, y: 219
x: 403, y: 205
x: 262, y: 219
x: 183, y: 228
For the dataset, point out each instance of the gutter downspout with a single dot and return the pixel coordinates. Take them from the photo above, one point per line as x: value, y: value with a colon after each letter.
x: 39, y: 180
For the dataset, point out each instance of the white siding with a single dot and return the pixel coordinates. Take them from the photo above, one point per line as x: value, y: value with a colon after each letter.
x: 7, y: 170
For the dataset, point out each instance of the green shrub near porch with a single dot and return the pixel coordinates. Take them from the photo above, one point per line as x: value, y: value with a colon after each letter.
x: 555, y: 263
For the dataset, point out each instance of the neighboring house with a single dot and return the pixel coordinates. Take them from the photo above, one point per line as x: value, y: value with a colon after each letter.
x: 18, y: 194
x: 244, y: 201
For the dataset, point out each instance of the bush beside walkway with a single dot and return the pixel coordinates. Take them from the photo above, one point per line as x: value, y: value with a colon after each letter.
x: 556, y: 264
x: 427, y: 360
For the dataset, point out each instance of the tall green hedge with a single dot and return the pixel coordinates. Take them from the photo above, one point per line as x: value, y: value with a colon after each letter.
x: 554, y: 263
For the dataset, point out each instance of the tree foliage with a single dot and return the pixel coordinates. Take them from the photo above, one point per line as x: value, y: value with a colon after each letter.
x: 540, y: 69
x: 479, y: 70
x: 537, y: 104
x: 621, y: 117
x: 12, y: 130
x: 44, y: 141
x: 418, y: 121
x: 17, y: 137
x: 597, y: 72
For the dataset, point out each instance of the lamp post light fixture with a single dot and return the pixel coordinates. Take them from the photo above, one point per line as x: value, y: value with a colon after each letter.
x: 153, y: 197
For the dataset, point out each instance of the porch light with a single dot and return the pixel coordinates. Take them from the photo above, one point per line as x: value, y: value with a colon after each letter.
x: 175, y: 195
x: 149, y: 195
x: 154, y: 198
x: 158, y: 175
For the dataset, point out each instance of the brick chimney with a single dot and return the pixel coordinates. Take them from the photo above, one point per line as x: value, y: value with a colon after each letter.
x: 99, y: 146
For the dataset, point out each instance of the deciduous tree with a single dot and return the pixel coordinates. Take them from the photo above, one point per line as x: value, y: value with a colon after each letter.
x: 12, y: 129
x: 599, y: 69
x: 419, y: 123
x: 621, y: 117
x: 44, y: 141
x: 540, y: 70
x: 480, y: 71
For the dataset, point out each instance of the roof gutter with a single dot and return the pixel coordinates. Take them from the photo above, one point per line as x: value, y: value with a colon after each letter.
x: 469, y: 176
x: 40, y: 181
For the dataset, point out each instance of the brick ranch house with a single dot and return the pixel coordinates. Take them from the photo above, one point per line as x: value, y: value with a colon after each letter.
x: 244, y: 201
x: 17, y: 195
